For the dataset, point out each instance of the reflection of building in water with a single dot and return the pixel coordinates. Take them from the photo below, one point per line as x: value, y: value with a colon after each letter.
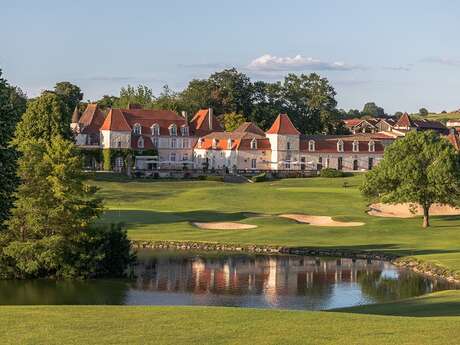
x: 271, y: 276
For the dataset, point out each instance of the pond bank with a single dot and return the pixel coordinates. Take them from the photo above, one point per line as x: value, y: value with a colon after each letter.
x: 416, y: 265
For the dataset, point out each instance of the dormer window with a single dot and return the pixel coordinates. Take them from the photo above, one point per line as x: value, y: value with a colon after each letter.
x: 200, y: 142
x: 229, y: 144
x: 215, y: 142
x: 340, y: 145
x: 140, y: 143
x: 184, y: 131
x: 371, y: 146
x: 173, y: 130
x: 254, y: 144
x: 355, y: 146
x: 137, y: 129
x: 311, y: 145
x: 155, y: 129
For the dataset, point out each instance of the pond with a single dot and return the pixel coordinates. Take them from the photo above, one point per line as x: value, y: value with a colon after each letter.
x: 237, y: 280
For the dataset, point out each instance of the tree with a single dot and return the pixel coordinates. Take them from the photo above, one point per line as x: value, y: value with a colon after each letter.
x: 168, y: 99
x: 45, y: 118
x: 70, y: 94
x: 423, y: 112
x: 141, y: 95
x: 197, y: 96
x: 232, y: 121
x: 398, y: 114
x: 373, y: 110
x: 420, y: 169
x: 12, y: 106
x: 107, y: 101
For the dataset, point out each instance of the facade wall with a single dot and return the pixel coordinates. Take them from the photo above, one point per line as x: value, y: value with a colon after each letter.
x: 262, y: 159
x: 114, y: 139
x: 331, y: 160
x: 215, y: 159
x: 284, y: 148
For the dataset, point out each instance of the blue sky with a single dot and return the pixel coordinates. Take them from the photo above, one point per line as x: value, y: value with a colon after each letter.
x: 401, y: 54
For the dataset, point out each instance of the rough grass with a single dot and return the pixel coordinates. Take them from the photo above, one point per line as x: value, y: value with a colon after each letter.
x: 103, y: 325
x: 163, y: 210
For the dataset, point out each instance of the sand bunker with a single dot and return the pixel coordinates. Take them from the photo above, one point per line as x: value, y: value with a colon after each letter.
x: 403, y: 211
x: 223, y: 226
x: 319, y: 220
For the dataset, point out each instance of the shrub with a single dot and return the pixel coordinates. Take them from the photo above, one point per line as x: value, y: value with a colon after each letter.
x: 214, y: 178
x: 329, y: 172
x: 259, y: 178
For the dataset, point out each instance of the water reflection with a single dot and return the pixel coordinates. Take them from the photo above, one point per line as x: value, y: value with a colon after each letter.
x: 180, y: 278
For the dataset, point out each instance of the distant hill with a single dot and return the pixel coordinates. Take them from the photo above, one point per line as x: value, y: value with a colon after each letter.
x: 442, y: 117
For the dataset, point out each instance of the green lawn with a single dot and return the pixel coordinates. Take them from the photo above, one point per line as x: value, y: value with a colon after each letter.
x: 163, y: 211
x: 210, y: 325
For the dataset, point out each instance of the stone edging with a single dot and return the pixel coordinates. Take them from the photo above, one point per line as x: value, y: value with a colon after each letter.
x: 415, y: 265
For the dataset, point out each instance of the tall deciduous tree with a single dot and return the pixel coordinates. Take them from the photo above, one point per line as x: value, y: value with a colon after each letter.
x: 70, y: 94
x: 422, y: 168
x: 12, y: 106
x: 232, y: 121
x: 372, y: 109
x: 141, y: 95
x: 45, y: 118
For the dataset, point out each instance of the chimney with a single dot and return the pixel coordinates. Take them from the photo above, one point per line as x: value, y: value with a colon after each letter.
x: 210, y: 116
x: 185, y: 116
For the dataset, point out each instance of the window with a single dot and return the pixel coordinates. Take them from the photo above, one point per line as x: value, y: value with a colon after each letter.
x: 137, y: 129
x: 320, y: 160
x: 288, y: 145
x: 253, y: 163
x: 173, y: 143
x: 140, y: 143
x: 370, y: 163
x: 185, y: 143
x: 200, y: 142
x: 184, y: 131
x: 155, y: 129
x: 215, y: 142
x: 355, y: 164
x: 229, y: 144
x: 371, y: 146
x: 119, y: 162
x: 340, y: 146
x: 287, y: 165
x: 172, y: 157
x: 311, y: 145
x: 173, y: 130
x: 155, y: 142
x: 339, y: 163
x: 185, y: 157
x: 254, y: 144
x: 118, y: 144
x: 355, y: 146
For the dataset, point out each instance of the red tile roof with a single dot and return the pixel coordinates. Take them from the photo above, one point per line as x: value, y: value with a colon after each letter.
x: 92, y: 119
x: 404, y: 121
x: 115, y: 121
x: 249, y: 127
x: 201, y: 122
x: 352, y: 122
x: 262, y: 144
x: 283, y: 125
x: 454, y: 140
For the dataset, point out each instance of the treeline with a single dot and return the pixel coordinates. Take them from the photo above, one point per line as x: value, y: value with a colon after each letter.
x: 308, y: 99
x: 48, y: 213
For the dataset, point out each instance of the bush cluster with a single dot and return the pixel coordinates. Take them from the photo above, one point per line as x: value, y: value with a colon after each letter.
x: 329, y: 172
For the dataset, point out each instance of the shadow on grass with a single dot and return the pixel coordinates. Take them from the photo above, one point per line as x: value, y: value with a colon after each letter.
x: 152, y: 217
x: 439, y: 304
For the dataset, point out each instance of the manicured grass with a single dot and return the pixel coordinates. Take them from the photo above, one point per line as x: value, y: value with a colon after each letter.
x: 200, y: 325
x: 162, y: 210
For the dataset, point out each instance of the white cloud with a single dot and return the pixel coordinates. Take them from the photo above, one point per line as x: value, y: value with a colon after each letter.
x: 269, y: 62
x: 442, y: 61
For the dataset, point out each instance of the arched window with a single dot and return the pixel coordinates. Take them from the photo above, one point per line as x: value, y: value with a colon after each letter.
x: 311, y: 145
x: 340, y: 145
x: 371, y: 146
x: 229, y: 144
x: 355, y: 146
x: 173, y: 130
x: 140, y: 143
x: 137, y: 129
x: 253, y: 144
x: 155, y: 129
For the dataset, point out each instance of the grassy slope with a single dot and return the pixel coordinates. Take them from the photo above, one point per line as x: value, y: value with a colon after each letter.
x: 200, y: 325
x: 163, y: 210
